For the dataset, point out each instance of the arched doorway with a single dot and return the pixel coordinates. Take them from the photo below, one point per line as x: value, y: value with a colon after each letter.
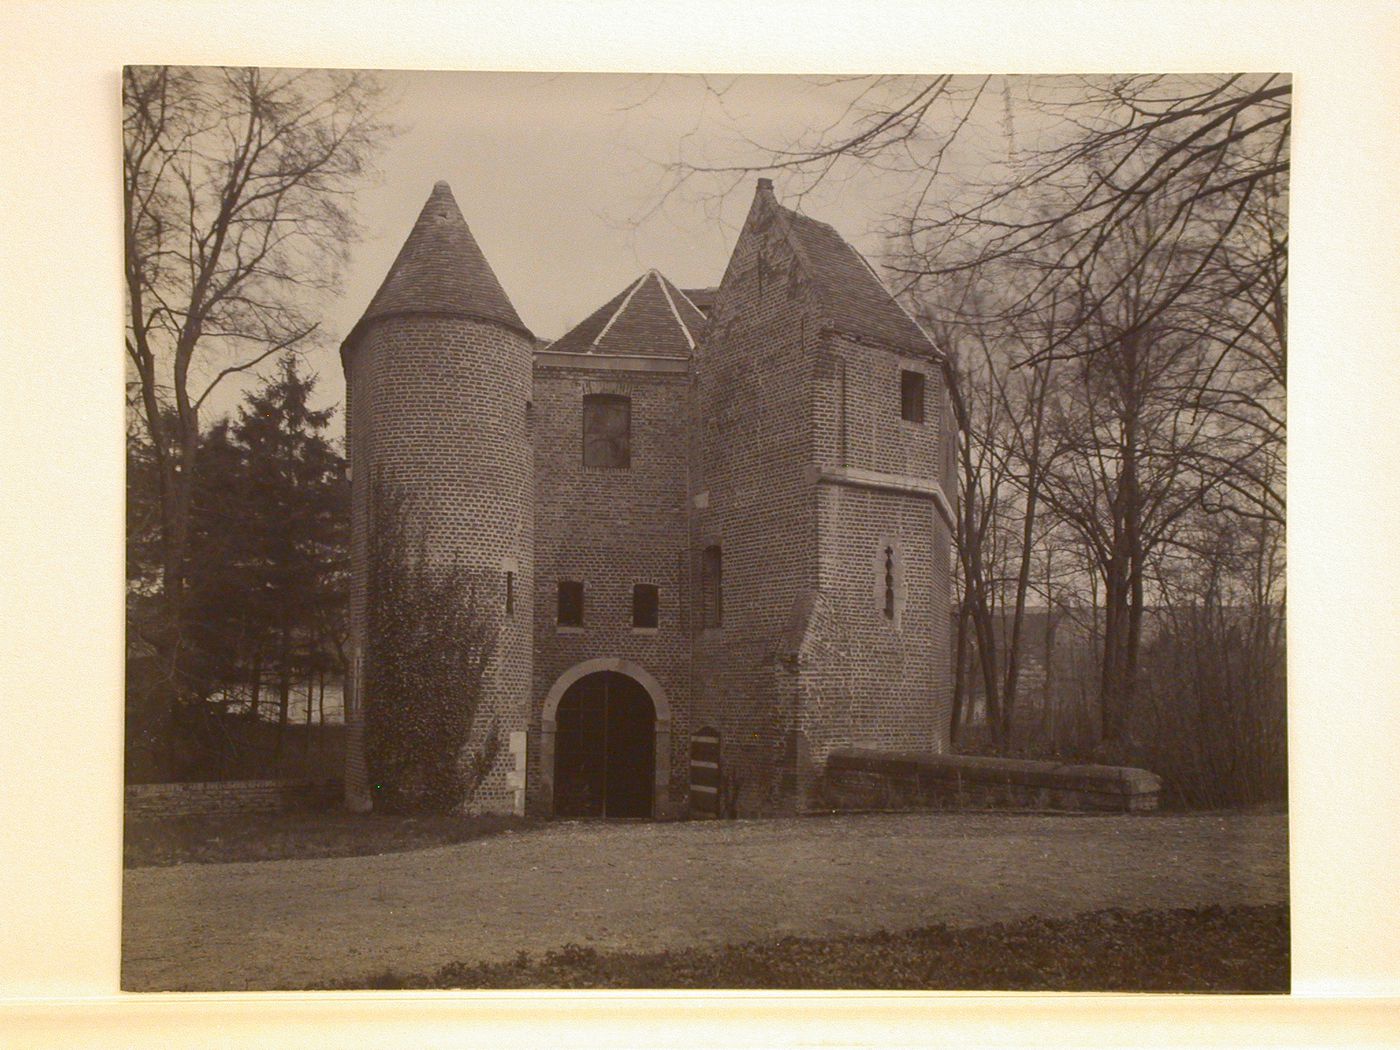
x: 605, y: 748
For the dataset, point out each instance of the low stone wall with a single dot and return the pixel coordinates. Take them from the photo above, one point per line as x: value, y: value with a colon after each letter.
x: 857, y: 778
x: 228, y: 796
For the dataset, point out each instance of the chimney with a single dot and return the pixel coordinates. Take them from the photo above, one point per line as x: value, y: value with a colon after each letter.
x: 765, y: 186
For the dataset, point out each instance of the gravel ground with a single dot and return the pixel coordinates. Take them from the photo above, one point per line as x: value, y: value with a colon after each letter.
x: 646, y: 886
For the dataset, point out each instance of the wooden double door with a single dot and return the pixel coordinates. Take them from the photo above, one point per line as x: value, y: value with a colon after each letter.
x: 605, y: 748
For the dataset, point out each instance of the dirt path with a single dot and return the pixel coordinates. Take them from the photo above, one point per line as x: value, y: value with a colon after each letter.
x: 648, y: 886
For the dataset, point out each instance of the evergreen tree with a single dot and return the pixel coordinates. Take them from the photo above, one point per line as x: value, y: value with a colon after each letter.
x: 267, y: 573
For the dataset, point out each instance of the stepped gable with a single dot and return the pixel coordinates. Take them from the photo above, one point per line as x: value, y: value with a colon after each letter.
x: 651, y: 316
x: 852, y: 295
x: 441, y: 270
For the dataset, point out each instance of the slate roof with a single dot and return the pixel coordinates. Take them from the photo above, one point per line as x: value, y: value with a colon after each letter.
x: 440, y: 269
x: 855, y: 300
x: 650, y: 316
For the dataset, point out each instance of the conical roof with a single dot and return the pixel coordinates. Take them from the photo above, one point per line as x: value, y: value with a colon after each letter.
x: 651, y: 316
x: 441, y: 270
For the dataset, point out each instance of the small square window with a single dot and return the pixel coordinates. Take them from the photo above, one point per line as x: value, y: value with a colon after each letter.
x: 607, y: 430
x: 570, y: 603
x: 646, y: 601
x: 911, y: 396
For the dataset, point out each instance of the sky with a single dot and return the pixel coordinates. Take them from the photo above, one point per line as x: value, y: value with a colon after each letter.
x: 564, y: 179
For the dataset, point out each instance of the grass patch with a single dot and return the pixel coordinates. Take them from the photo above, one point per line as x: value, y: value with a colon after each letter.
x: 223, y: 838
x: 1214, y: 949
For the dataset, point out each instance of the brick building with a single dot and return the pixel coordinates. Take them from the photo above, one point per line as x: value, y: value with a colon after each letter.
x: 715, y: 524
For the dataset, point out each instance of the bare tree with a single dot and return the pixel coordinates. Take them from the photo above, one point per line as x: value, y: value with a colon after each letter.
x: 1128, y: 373
x: 238, y: 211
x: 1199, y: 148
x: 1000, y: 406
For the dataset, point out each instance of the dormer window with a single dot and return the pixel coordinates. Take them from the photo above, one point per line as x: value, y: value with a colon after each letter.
x: 607, y: 430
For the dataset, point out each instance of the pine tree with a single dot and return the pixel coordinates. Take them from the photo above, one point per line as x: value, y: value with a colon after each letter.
x: 268, y: 551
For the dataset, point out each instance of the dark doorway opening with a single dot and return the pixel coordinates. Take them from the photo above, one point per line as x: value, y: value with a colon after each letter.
x: 604, y: 748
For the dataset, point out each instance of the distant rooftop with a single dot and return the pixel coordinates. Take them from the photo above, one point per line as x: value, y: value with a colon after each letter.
x: 703, y: 298
x: 650, y: 316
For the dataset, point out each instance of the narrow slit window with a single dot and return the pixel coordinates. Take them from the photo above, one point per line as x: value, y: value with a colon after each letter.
x: 646, y: 604
x: 607, y: 430
x: 889, y: 583
x: 510, y: 593
x: 911, y: 396
x: 712, y: 586
x: 570, y: 603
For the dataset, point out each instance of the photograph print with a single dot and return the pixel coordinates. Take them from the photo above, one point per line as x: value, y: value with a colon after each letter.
x: 669, y: 531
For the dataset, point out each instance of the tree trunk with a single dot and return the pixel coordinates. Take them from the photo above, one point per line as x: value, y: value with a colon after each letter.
x: 257, y: 687
x: 306, y: 740
x: 959, y: 675
x: 1111, y: 680
x: 284, y: 697
x: 987, y: 657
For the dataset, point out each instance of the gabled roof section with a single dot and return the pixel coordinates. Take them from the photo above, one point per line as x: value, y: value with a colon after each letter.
x: 847, y: 287
x: 651, y: 317
x: 441, y: 270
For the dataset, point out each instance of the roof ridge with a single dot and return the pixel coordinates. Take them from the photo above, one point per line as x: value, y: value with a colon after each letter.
x: 621, y: 308
x: 685, y: 329
x: 688, y: 299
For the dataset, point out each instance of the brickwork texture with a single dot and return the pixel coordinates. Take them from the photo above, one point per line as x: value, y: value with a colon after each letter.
x: 769, y: 426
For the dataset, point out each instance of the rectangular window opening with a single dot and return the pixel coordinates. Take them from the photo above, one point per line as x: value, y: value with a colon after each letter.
x: 607, y: 430
x: 510, y: 594
x: 646, y: 604
x: 570, y: 603
x: 712, y: 586
x: 911, y: 396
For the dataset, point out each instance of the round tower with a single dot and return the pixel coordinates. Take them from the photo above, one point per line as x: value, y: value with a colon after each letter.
x: 438, y: 384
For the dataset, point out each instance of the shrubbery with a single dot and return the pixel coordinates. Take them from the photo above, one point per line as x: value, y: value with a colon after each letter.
x: 431, y: 638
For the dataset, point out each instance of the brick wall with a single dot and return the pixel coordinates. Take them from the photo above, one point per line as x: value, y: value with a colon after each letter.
x: 440, y: 405
x: 806, y: 661
x: 149, y: 801
x: 733, y: 451
x: 610, y: 528
x: 886, y: 678
x: 753, y: 411
x: 857, y: 410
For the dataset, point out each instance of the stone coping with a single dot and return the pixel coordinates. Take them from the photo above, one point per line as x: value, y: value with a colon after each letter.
x: 978, y: 769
